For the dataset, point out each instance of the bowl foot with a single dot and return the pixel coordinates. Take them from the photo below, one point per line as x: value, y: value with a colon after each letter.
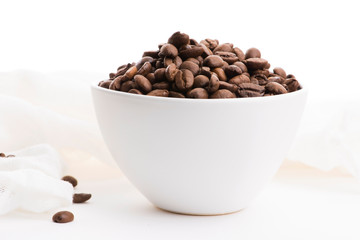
x: 196, y: 214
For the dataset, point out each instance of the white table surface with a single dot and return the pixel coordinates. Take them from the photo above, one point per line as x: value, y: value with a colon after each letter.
x: 300, y: 203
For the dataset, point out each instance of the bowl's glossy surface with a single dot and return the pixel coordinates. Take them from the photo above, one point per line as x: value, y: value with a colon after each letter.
x: 198, y: 156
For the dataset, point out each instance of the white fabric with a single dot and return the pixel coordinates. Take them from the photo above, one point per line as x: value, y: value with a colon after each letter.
x: 32, y: 181
x: 57, y: 109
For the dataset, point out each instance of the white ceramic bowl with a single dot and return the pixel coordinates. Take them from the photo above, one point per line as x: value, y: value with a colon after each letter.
x: 198, y: 156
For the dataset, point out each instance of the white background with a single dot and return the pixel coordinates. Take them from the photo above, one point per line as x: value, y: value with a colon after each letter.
x: 317, y: 41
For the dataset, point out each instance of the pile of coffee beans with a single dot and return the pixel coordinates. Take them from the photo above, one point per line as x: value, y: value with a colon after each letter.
x: 66, y: 216
x: 185, y: 68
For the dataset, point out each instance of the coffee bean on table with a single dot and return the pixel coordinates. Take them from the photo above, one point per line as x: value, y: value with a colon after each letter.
x: 183, y: 67
x: 2, y: 155
x: 63, y: 217
x: 70, y: 179
x: 81, y: 197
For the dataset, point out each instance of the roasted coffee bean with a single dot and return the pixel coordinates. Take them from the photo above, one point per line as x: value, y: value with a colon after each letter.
x: 197, y: 93
x: 210, y: 43
x: 63, y: 217
x: 242, y: 66
x: 256, y: 63
x: 275, y: 88
x: 167, y: 61
x: 251, y: 87
x: 182, y: 67
x: 184, y: 80
x: 279, y: 71
x: 168, y: 50
x: 105, y: 84
x: 130, y: 73
x: 220, y: 73
x: 112, y: 75
x: 145, y: 69
x: 267, y: 66
x: 177, y: 61
x: 193, y: 42
x: 170, y: 72
x: 232, y: 70
x: 225, y: 47
x: 239, y: 79
x: 213, y: 83
x: 143, y: 83
x: 292, y: 84
x: 179, y: 39
x: 176, y: 94
x: 191, y: 51
x: 201, y: 81
x: 228, y: 86
x: 254, y: 81
x: 135, y: 91
x: 261, y: 71
x: 159, y: 93
x: 213, y: 61
x: 151, y: 78
x: 261, y: 78
x: 240, y: 54
x: 153, y: 54
x: 126, y: 86
x: 144, y: 60
x: 160, y: 74
x: 248, y: 93
x: 81, y: 197
x: 194, y: 60
x: 252, y: 53
x: 205, y: 71
x: 70, y: 179
x: 112, y: 85
x: 159, y: 64
x: 228, y: 57
x: 290, y: 76
x: 277, y: 79
x: 207, y: 51
x: 2, y: 155
x: 223, y: 93
x: 189, y: 65
x: 161, y: 85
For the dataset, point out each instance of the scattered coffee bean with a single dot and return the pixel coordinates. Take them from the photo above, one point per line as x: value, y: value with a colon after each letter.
x: 183, y: 67
x: 63, y: 217
x: 81, y: 197
x: 2, y: 155
x: 71, y: 180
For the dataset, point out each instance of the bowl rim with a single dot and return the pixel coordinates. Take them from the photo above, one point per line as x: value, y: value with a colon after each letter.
x: 301, y: 91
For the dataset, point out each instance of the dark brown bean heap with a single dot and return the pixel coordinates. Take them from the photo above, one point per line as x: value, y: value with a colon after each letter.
x: 184, y: 68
